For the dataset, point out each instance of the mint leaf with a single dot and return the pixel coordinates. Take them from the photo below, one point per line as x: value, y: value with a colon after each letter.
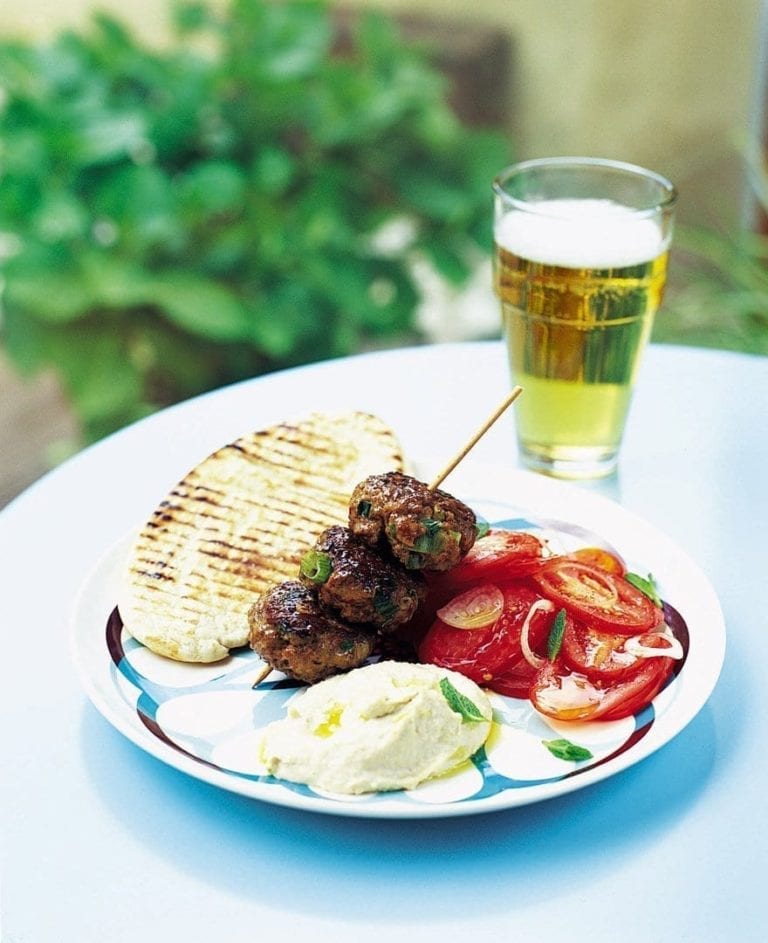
x: 565, y: 750
x: 460, y: 703
x: 646, y: 585
x: 555, y: 639
x: 481, y: 528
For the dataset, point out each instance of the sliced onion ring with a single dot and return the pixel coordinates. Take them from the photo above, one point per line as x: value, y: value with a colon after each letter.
x: 638, y: 647
x: 534, y: 660
x: 571, y: 692
x: 474, y: 609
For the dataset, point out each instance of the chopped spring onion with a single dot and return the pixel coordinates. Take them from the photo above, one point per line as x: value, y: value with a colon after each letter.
x: 482, y: 528
x: 435, y: 538
x: 415, y: 561
x: 316, y: 566
x: 384, y: 606
x: 364, y: 508
x: 431, y: 539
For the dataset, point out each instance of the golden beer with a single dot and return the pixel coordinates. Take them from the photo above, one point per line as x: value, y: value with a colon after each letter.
x: 574, y: 339
x: 579, y: 281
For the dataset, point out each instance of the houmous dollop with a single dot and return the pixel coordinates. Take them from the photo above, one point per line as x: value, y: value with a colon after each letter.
x: 382, y: 727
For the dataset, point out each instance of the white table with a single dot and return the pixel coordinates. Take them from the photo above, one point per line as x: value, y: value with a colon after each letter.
x: 104, y: 843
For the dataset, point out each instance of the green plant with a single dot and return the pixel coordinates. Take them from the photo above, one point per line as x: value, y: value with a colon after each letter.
x: 718, y: 293
x: 719, y: 296
x: 174, y: 219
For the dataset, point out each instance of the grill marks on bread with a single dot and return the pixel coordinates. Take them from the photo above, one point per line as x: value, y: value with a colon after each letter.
x: 240, y: 522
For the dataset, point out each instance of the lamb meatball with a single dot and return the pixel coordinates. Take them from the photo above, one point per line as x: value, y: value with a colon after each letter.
x: 359, y: 583
x: 425, y: 529
x: 294, y: 634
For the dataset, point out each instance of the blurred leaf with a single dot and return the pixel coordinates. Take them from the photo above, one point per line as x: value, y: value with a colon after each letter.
x: 273, y: 170
x: 191, y: 17
x: 447, y: 261
x: 213, y: 186
x: 176, y: 218
x: 200, y: 306
x: 718, y: 296
x: 100, y: 378
x: 432, y: 195
x: 59, y: 298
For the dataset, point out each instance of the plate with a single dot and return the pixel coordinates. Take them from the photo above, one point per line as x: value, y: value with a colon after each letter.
x: 204, y: 720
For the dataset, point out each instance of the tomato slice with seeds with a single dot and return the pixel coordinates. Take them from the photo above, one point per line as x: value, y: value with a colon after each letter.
x: 598, y: 655
x: 567, y: 695
x: 600, y: 558
x: 486, y: 653
x: 608, y: 656
x: 500, y: 554
x: 606, y: 601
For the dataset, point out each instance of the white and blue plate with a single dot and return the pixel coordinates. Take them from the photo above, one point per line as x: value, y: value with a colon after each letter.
x: 205, y: 720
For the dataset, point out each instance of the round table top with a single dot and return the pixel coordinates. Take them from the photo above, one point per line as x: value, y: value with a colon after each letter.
x: 104, y: 842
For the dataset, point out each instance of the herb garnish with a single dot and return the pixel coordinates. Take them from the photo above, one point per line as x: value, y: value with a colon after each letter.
x: 459, y: 702
x: 555, y: 639
x: 316, y: 566
x: 482, y: 528
x: 565, y: 750
x: 384, y: 605
x: 646, y: 585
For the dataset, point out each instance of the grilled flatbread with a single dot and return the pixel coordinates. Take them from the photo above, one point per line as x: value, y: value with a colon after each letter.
x: 240, y: 522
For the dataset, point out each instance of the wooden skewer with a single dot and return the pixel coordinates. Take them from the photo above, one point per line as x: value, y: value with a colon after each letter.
x: 265, y: 671
x: 508, y: 400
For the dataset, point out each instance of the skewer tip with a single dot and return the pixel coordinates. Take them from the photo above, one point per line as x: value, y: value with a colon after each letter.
x: 264, y: 673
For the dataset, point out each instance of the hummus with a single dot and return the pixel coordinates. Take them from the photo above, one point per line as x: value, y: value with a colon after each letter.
x: 385, y: 726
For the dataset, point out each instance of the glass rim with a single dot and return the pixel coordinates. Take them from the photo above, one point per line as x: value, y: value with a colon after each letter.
x: 668, y: 189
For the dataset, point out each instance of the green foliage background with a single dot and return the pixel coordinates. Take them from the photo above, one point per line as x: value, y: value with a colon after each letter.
x: 718, y: 296
x: 176, y: 219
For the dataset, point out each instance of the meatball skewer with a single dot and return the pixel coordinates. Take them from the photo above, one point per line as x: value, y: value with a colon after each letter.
x: 293, y: 633
x: 351, y: 595
x: 297, y: 626
x: 360, y: 584
x: 424, y: 528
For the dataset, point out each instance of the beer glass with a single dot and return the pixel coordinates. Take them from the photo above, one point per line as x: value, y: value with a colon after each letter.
x: 580, y: 264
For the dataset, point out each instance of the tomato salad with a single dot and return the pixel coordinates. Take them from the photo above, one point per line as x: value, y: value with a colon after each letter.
x: 576, y: 633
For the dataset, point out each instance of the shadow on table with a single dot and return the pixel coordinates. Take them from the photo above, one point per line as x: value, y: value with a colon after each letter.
x: 390, y: 871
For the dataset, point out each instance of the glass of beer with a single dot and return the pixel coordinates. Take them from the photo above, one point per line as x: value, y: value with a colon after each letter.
x: 580, y: 264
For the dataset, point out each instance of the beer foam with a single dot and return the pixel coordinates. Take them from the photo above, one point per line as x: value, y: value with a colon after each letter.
x: 581, y: 234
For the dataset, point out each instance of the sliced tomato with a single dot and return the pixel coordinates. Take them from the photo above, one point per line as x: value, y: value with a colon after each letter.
x: 600, y: 558
x: 567, y: 695
x: 606, y: 601
x: 515, y: 681
x: 483, y: 654
x: 609, y: 656
x: 598, y: 655
x: 501, y: 554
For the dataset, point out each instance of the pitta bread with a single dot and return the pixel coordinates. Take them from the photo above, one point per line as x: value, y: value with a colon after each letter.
x: 238, y: 523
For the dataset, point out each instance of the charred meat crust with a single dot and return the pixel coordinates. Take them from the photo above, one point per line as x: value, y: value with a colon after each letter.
x: 425, y: 529
x: 364, y: 585
x: 293, y: 633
